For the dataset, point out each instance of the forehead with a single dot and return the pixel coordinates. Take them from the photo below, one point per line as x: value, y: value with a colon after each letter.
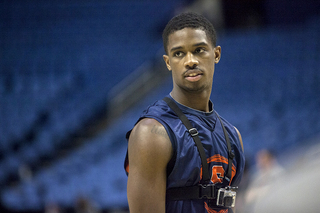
x: 187, y: 36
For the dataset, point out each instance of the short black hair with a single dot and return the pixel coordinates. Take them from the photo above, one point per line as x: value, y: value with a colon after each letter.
x: 188, y: 20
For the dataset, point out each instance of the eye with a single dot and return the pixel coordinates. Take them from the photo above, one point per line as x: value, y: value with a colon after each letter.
x: 178, y: 54
x: 199, y: 50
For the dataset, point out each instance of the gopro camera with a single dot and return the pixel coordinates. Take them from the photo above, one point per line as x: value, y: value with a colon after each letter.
x: 226, y: 197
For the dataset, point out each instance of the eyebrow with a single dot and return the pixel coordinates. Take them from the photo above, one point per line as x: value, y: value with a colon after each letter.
x: 175, y: 48
x: 201, y: 44
x: 195, y: 45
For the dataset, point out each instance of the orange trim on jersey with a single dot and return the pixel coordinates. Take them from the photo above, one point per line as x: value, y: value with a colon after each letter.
x: 214, y: 211
x: 127, y: 168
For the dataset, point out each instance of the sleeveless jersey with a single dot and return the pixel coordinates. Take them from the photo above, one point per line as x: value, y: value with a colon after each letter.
x: 186, y: 167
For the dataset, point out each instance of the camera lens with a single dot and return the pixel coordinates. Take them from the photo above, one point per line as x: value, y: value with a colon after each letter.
x: 228, y: 201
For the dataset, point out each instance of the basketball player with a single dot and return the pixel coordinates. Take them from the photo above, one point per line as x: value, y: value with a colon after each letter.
x: 162, y: 154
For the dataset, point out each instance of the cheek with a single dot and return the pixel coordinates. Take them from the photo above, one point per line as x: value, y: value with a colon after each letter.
x: 176, y: 69
x: 176, y: 65
x: 210, y: 67
x: 175, y: 76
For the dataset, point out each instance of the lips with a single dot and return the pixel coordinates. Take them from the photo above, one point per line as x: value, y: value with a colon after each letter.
x: 193, y: 75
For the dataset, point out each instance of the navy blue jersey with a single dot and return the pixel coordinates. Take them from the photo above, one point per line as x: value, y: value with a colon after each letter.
x: 186, y: 169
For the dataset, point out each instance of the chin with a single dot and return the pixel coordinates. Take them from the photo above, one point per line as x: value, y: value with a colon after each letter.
x: 196, y: 89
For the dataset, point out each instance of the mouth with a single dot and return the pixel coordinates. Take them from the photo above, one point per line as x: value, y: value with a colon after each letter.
x: 193, y: 75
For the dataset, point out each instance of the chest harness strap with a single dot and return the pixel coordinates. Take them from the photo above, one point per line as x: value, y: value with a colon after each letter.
x: 204, y: 190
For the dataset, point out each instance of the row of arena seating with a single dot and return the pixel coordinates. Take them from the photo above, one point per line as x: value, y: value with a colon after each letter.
x: 266, y: 84
x: 61, y: 60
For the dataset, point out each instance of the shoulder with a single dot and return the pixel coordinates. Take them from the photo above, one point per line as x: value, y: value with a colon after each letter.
x: 235, y: 132
x: 149, y: 142
x: 158, y: 108
x: 147, y: 127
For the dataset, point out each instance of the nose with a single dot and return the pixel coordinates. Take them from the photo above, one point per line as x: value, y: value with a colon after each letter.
x: 191, y: 61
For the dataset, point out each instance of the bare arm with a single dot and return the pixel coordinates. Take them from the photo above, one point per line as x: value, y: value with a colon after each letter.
x: 149, y: 152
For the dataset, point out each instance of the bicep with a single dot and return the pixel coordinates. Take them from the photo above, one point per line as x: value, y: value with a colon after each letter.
x: 149, y: 152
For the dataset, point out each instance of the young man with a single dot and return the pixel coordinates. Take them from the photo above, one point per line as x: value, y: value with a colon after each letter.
x: 161, y: 152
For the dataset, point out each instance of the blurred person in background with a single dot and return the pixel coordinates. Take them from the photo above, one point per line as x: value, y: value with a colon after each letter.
x: 166, y: 173
x: 52, y: 208
x: 268, y: 171
x: 84, y: 205
x: 297, y: 189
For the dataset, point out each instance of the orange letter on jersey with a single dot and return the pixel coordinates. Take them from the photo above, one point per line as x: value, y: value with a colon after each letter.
x: 217, y: 174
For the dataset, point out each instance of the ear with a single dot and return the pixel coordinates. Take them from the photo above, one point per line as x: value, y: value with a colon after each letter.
x: 217, y: 54
x: 166, y: 60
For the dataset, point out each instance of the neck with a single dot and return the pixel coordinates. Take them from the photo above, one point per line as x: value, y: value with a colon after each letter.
x: 193, y: 100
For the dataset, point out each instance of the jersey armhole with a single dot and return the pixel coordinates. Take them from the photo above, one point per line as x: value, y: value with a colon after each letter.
x: 173, y: 159
x: 240, y: 138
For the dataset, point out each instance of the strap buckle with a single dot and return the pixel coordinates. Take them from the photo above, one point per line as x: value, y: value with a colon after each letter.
x: 207, y: 191
x: 193, y: 132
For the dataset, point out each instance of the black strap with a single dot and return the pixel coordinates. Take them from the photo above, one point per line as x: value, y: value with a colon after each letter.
x: 193, y: 192
x: 227, y: 176
x: 194, y: 133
